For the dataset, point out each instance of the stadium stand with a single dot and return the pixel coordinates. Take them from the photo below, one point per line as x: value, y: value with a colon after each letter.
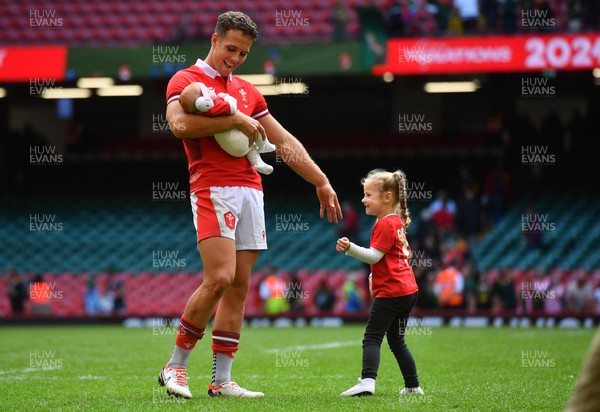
x: 99, y: 23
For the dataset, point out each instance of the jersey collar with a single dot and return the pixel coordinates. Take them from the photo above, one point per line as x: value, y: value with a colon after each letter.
x: 209, y: 71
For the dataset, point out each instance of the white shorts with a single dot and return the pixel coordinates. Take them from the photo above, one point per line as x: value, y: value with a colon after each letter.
x: 235, y: 212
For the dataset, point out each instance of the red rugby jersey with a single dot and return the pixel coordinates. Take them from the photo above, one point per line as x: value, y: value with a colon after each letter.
x: 392, y: 275
x: 208, y: 164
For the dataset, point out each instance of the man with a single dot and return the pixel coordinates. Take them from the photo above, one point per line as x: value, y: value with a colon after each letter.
x: 227, y: 202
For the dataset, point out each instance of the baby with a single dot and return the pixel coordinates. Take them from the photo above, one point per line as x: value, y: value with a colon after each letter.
x: 197, y: 98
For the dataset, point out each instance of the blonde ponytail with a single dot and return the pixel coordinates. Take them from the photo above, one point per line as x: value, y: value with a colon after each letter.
x: 402, y: 206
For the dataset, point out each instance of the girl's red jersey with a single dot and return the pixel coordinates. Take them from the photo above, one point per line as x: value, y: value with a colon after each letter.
x: 392, y: 275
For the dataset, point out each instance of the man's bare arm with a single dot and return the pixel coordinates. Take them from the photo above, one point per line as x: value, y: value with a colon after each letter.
x: 296, y: 157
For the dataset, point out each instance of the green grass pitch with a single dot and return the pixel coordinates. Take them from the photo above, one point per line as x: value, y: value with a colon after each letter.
x: 111, y: 368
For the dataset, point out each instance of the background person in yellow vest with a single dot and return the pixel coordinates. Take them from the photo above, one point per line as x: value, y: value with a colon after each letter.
x: 272, y: 292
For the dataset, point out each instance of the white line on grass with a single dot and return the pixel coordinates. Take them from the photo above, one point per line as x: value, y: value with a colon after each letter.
x: 328, y: 345
x: 28, y: 370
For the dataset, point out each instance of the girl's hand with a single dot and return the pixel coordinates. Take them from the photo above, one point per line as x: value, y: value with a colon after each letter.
x: 343, y: 244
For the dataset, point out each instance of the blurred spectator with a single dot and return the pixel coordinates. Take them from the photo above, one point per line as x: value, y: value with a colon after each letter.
x: 115, y: 289
x: 449, y: 286
x: 272, y: 292
x: 353, y: 295
x: 553, y: 304
x: 489, y: 12
x: 92, y: 297
x: 483, y: 293
x: 295, y: 294
x: 324, y: 297
x: 575, y: 16
x: 396, y: 16
x: 442, y: 15
x: 503, y: 294
x: 40, y: 296
x: 579, y: 296
x: 455, y: 26
x: 423, y: 21
x: 17, y: 292
x: 442, y: 211
x: 339, y: 18
x: 469, y: 14
x: 471, y: 277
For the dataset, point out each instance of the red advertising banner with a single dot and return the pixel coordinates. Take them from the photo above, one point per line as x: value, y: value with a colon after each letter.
x: 492, y: 54
x: 21, y: 64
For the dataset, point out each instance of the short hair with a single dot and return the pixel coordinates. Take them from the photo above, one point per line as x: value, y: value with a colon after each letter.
x: 236, y: 20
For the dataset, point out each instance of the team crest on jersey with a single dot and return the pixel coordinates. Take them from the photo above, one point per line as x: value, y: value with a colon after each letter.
x: 243, y: 93
x: 229, y: 220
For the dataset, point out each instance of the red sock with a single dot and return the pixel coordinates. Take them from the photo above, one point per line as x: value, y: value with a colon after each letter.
x: 189, y: 333
x: 225, y: 342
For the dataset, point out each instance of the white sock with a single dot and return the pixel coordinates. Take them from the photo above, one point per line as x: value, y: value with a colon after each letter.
x: 179, y: 358
x: 221, y: 370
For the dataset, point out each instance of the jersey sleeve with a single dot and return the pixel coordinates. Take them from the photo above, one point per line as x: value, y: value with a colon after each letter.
x: 383, y: 236
x: 260, y: 108
x: 178, y: 82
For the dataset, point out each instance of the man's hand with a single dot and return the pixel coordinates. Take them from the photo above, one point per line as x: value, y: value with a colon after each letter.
x: 342, y: 245
x: 329, y: 202
x: 249, y: 126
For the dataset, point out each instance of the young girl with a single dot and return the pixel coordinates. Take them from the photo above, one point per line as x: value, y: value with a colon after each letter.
x: 391, y: 283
